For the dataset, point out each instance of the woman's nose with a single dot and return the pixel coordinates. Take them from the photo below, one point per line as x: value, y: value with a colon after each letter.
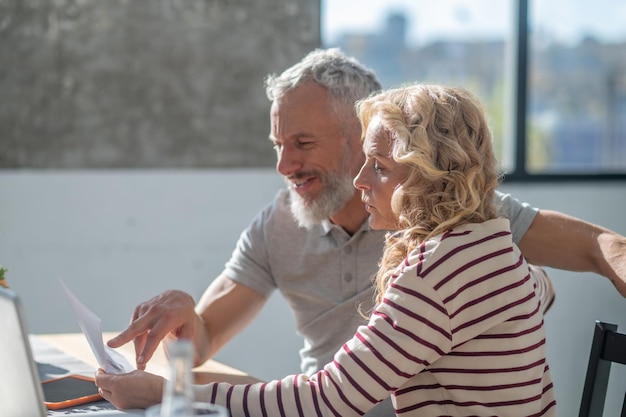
x: 359, y: 181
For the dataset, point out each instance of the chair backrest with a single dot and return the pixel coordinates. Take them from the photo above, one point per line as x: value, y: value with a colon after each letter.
x: 608, y: 346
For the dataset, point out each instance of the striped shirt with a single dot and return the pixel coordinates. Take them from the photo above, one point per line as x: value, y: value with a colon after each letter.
x: 459, y: 333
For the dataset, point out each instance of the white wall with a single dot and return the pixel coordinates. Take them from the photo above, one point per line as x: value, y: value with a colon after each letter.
x: 581, y: 298
x: 120, y: 237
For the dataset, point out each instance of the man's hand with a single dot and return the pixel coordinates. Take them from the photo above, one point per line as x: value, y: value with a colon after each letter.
x: 171, y: 313
x: 137, y: 389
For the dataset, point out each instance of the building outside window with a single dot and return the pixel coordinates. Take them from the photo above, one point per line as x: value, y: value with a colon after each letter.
x: 574, y: 107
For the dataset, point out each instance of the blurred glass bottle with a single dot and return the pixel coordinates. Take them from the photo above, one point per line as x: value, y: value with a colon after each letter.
x: 178, y: 393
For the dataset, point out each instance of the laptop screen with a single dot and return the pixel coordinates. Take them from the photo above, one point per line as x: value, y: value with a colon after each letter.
x: 20, y: 388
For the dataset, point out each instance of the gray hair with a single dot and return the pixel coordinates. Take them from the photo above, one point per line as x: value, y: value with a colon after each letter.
x: 345, y: 78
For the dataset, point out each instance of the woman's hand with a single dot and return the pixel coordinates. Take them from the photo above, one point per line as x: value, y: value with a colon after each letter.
x: 136, y: 389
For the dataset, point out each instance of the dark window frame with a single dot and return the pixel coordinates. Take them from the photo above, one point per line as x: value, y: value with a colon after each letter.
x: 521, y: 64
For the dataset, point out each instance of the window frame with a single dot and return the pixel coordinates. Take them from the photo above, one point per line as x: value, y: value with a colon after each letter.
x: 519, y: 108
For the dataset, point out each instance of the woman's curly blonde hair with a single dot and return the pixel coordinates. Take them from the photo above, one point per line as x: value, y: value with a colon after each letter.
x: 442, y: 135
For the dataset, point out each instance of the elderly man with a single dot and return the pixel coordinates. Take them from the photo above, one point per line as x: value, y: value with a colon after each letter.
x: 313, y: 242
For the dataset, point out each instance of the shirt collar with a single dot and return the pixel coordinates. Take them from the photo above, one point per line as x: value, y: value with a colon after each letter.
x: 326, y: 226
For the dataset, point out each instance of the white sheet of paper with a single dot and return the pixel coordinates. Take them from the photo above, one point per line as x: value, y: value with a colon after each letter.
x: 108, y: 359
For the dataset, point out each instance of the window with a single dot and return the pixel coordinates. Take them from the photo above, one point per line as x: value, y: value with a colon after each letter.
x: 555, y: 89
x: 576, y: 113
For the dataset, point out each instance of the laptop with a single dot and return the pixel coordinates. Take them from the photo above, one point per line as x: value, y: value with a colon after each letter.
x: 21, y: 394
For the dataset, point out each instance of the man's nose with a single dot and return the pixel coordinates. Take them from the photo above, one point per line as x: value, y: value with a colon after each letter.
x: 289, y: 161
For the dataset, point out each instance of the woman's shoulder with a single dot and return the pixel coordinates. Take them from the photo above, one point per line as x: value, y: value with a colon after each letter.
x: 495, y: 231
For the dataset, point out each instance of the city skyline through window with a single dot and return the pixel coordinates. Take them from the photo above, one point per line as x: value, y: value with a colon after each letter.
x: 575, y: 108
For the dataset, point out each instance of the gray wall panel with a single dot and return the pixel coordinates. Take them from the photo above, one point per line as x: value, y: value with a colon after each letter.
x: 143, y: 83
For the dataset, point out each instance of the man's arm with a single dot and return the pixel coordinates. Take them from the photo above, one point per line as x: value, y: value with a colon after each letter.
x: 564, y: 242
x: 223, y: 311
x: 225, y: 308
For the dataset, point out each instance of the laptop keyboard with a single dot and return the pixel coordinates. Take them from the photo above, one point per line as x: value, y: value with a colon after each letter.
x: 92, y: 409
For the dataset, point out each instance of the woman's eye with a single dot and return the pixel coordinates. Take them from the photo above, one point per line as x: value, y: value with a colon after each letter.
x: 377, y: 167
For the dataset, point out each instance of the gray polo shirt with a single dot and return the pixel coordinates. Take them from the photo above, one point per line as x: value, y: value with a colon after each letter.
x: 324, y: 274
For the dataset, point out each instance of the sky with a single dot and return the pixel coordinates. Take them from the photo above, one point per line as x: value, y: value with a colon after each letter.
x: 485, y: 18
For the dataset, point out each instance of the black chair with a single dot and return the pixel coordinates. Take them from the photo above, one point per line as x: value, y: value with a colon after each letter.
x: 608, y: 346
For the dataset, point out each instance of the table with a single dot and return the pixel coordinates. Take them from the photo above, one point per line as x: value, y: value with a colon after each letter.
x: 76, y: 345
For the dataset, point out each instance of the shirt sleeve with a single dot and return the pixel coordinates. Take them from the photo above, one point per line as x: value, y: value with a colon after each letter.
x: 249, y: 263
x: 521, y: 215
x: 393, y: 347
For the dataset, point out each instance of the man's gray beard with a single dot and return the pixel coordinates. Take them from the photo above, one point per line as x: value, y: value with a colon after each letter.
x: 337, y: 189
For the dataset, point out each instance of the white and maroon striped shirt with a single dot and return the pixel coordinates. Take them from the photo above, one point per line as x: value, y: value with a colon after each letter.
x: 459, y: 333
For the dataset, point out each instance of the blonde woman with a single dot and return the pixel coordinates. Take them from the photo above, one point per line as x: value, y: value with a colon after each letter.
x: 453, y: 291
